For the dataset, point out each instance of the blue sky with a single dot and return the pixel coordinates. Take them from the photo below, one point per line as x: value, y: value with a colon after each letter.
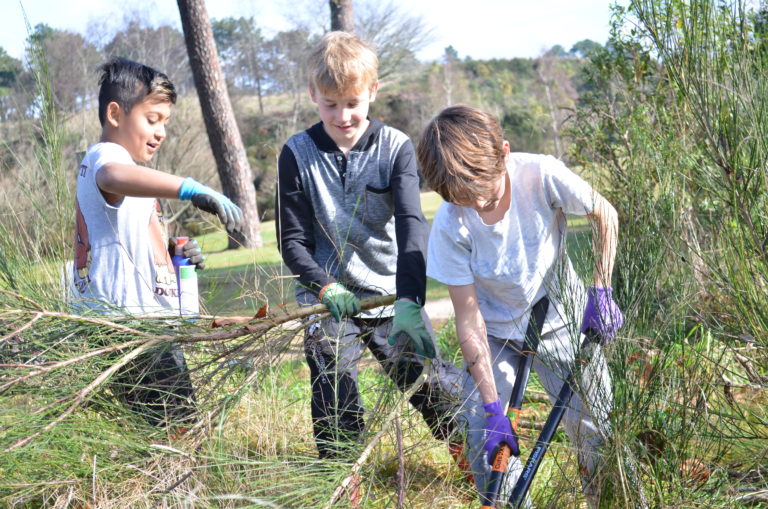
x: 490, y: 29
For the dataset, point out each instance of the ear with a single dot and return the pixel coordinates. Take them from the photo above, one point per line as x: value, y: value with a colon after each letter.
x: 312, y: 93
x: 113, y: 114
x: 374, y: 89
x: 506, y: 150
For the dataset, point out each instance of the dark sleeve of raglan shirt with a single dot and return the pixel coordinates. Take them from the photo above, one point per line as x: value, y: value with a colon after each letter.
x: 294, y: 224
x: 411, y: 228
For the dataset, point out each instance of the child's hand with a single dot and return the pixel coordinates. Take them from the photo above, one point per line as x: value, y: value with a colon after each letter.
x: 602, y: 313
x: 498, y: 429
x: 190, y: 250
x: 408, y: 321
x: 340, y: 302
x: 205, y: 198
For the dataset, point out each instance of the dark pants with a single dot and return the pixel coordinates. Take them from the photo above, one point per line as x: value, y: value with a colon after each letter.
x: 156, y: 385
x: 333, y: 351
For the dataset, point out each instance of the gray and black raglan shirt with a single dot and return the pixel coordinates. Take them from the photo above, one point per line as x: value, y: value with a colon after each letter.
x: 354, y: 219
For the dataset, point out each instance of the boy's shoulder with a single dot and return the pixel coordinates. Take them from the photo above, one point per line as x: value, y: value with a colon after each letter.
x: 105, y: 152
x: 524, y: 163
x: 533, y: 159
x: 389, y: 135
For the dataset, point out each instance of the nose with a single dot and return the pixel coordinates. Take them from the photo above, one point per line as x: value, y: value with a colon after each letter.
x: 160, y: 132
x: 345, y: 114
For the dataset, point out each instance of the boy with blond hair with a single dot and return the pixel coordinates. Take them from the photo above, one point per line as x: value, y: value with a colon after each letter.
x: 350, y: 226
x: 498, y: 242
x: 122, y: 264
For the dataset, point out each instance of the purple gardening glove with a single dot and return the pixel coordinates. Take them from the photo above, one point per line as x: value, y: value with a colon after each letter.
x: 498, y: 429
x: 602, y: 314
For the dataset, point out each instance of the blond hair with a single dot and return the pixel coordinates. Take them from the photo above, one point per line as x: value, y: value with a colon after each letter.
x: 342, y: 62
x: 461, y: 154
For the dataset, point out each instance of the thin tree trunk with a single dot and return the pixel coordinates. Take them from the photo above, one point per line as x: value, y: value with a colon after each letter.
x: 342, y: 17
x: 552, y: 113
x: 223, y: 133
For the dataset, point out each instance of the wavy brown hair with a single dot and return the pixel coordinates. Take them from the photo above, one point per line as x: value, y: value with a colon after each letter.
x: 461, y: 154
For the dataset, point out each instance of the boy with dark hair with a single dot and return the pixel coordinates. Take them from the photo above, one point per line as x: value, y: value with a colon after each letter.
x: 498, y: 242
x: 122, y: 264
x: 350, y: 226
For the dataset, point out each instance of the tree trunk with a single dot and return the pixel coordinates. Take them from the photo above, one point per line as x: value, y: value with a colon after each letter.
x: 223, y: 133
x: 341, y: 15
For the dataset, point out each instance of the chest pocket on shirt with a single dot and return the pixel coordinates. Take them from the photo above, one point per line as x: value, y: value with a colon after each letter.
x: 377, y: 206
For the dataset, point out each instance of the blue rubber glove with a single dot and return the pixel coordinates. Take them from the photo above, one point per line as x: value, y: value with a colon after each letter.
x: 602, y: 313
x: 190, y: 250
x: 205, y: 198
x: 340, y: 302
x: 408, y: 321
x: 498, y: 430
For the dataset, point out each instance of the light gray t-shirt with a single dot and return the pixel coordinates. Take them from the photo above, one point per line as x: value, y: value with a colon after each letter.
x: 122, y: 263
x: 518, y: 260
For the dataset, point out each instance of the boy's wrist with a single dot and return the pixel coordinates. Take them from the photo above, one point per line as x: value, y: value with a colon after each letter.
x: 189, y: 188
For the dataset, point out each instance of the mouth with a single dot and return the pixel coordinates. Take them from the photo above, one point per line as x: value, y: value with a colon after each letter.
x: 153, y: 147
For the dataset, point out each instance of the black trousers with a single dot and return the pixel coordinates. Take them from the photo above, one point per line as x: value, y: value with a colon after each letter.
x: 157, y: 386
x: 333, y: 351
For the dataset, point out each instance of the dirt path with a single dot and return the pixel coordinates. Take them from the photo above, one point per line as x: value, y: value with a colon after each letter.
x: 439, y: 310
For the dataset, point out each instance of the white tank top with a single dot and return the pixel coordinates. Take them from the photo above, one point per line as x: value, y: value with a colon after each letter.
x: 122, y: 265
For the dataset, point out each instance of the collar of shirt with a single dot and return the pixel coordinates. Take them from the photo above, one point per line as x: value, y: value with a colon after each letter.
x: 326, y: 144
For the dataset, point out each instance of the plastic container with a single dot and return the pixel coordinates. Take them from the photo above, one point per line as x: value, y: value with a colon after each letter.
x: 186, y: 278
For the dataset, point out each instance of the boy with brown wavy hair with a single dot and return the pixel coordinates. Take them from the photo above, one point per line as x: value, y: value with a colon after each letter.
x: 498, y: 242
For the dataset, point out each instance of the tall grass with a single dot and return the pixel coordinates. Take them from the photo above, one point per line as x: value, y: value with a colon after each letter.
x: 673, y: 127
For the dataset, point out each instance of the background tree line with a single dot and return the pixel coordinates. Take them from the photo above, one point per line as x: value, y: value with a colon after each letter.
x: 268, y: 84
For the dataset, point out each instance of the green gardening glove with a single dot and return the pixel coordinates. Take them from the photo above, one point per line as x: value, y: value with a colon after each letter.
x: 408, y: 321
x: 339, y: 301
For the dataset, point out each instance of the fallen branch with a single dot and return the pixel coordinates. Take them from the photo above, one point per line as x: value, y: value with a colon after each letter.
x: 24, y: 327
x: 255, y: 326
x: 82, y: 395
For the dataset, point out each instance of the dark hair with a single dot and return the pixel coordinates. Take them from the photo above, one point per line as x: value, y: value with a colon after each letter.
x: 128, y: 83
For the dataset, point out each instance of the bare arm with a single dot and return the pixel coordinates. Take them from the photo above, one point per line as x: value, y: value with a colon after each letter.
x: 473, y: 339
x: 605, y: 231
x: 119, y: 180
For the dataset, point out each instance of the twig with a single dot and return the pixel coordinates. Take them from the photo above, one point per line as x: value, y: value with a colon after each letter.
x: 400, y: 465
x: 21, y: 297
x: 81, y: 396
x: 178, y: 482
x: 358, y: 465
x: 758, y: 496
x: 93, y: 481
x: 80, y: 318
x: 258, y: 326
x: 80, y: 358
x: 23, y: 327
x: 753, y: 376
